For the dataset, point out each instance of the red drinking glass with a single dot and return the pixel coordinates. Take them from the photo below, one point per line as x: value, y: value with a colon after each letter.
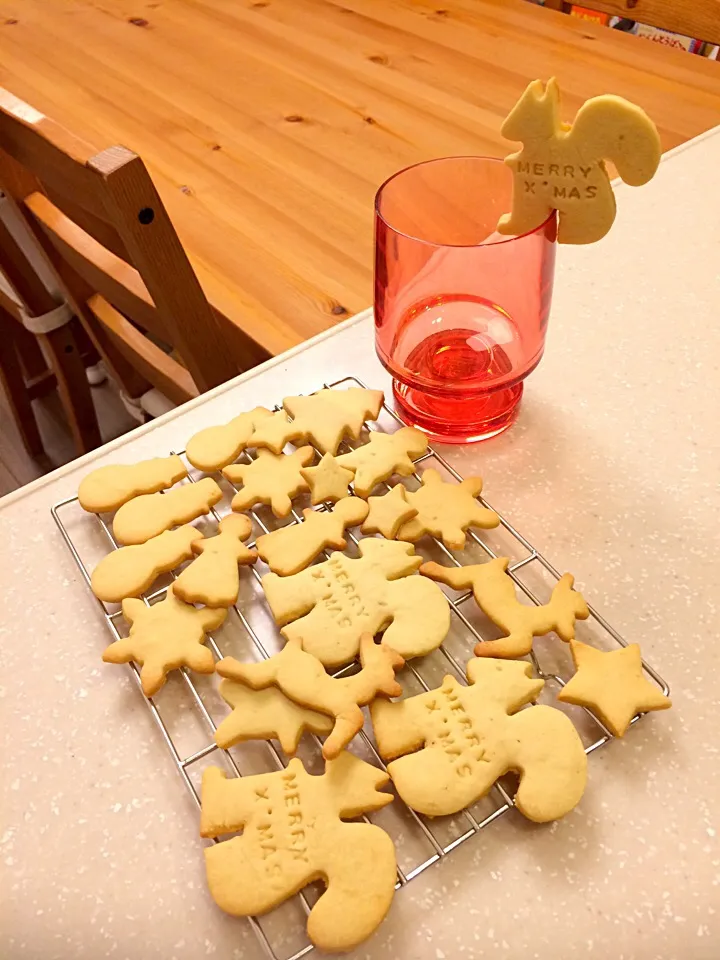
x: 460, y: 310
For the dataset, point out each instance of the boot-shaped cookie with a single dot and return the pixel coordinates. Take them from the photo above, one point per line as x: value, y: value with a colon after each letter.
x: 467, y: 737
x: 292, y: 835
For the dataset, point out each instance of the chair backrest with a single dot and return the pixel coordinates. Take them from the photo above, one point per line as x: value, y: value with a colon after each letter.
x: 694, y: 18
x: 99, y: 215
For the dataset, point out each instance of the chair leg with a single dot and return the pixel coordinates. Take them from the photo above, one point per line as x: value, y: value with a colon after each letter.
x: 13, y: 383
x: 69, y: 370
x: 31, y: 356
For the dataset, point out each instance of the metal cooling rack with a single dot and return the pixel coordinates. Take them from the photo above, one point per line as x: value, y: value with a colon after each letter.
x: 471, y: 820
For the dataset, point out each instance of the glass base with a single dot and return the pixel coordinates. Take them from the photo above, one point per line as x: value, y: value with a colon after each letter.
x: 457, y: 421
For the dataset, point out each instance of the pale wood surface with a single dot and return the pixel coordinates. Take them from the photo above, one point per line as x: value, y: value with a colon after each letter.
x: 269, y: 124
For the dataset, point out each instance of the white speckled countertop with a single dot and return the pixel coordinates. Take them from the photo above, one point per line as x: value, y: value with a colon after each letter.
x: 613, y: 469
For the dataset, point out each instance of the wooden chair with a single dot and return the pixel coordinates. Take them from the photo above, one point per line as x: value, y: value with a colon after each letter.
x: 104, y: 229
x: 694, y: 18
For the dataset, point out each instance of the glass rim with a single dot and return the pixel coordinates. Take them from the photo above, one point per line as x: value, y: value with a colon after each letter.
x: 435, y: 243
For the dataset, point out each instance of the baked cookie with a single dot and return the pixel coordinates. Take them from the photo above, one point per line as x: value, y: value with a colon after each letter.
x: 454, y: 742
x: 108, y: 488
x: 213, y: 578
x: 384, y: 455
x: 266, y: 715
x: 164, y: 637
x: 323, y: 418
x: 302, y: 678
x: 292, y: 548
x: 388, y: 513
x: 494, y: 593
x: 213, y: 448
x: 293, y: 834
x: 331, y: 605
x: 328, y: 480
x: 271, y: 478
x: 446, y: 510
x: 149, y: 515
x: 129, y: 571
x: 612, y: 685
x: 561, y: 166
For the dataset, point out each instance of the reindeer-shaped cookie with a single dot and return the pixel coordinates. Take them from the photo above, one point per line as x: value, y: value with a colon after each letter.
x: 560, y: 166
x: 459, y: 740
x: 495, y: 594
x: 293, y: 834
x: 302, y: 678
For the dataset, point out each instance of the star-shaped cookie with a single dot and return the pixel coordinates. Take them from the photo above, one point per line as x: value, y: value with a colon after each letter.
x: 272, y: 478
x: 611, y: 685
x: 328, y: 480
x: 266, y: 715
x: 388, y: 513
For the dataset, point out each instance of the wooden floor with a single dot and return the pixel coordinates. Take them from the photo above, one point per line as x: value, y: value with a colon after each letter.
x: 18, y: 468
x: 269, y: 124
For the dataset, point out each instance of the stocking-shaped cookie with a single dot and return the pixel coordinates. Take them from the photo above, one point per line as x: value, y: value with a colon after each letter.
x: 458, y: 740
x: 384, y: 455
x: 292, y: 548
x: 270, y: 478
x: 302, y: 677
x: 323, y: 418
x: 164, y: 637
x: 293, y: 834
x: 330, y: 605
x: 213, y: 578
x: 108, y: 488
x: 446, y: 510
x: 149, y: 515
x: 495, y: 594
x: 215, y: 447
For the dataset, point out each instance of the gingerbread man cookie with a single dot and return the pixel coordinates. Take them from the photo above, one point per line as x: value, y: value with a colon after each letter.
x: 290, y: 549
x: 266, y: 715
x: 454, y: 742
x: 328, y: 480
x: 612, y: 685
x: 302, y: 678
x: 108, y: 488
x: 494, y: 593
x: 214, y: 578
x: 331, y: 605
x: 149, y: 515
x: 272, y: 478
x: 129, y: 571
x: 323, y: 418
x: 560, y: 166
x: 446, y: 510
x: 388, y: 513
x: 384, y: 455
x: 215, y: 447
x: 164, y: 637
x: 292, y: 834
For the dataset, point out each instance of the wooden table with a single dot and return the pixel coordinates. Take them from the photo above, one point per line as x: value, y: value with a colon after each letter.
x: 269, y: 124
x: 612, y: 469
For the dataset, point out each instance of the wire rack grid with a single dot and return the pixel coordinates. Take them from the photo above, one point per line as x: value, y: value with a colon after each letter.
x: 437, y: 843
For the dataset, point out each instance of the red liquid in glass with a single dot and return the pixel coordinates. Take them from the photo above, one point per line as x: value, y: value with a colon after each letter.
x: 458, y: 362
x: 460, y: 311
